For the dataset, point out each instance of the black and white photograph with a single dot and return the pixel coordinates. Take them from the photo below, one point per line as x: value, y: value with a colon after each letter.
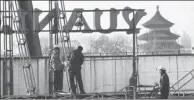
x: 59, y: 49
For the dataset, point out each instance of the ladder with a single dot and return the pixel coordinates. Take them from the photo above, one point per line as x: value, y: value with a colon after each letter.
x: 183, y: 81
x: 8, y: 51
x: 23, y: 47
x: 64, y: 36
x: 58, y: 32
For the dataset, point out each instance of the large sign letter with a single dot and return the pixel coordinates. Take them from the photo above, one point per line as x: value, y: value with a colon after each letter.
x: 113, y: 20
x: 36, y: 15
x: 46, y: 20
x: 138, y: 16
x: 22, y: 17
x: 71, y: 22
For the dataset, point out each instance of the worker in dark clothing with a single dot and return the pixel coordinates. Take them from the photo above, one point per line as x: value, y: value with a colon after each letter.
x: 58, y: 70
x: 164, y: 83
x: 76, y: 59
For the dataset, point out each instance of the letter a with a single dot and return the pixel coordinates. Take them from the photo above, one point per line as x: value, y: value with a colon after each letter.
x: 71, y: 22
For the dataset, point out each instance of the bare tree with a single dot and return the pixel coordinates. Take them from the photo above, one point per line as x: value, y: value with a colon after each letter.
x: 46, y: 48
x: 105, y: 44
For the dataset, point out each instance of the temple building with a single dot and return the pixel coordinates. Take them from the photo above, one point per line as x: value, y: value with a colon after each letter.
x: 159, y: 38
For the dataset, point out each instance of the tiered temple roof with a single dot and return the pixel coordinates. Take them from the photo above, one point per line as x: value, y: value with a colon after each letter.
x: 159, y: 34
x: 158, y: 21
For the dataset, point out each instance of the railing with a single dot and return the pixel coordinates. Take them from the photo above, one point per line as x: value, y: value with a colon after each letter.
x: 124, y: 54
x: 176, y: 52
x: 167, y: 52
x: 182, y: 79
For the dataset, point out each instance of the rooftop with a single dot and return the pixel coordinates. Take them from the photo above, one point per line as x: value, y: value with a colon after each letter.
x: 157, y: 19
x: 159, y: 35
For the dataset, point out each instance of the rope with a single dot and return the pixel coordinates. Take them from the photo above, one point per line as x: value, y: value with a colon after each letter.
x: 62, y: 35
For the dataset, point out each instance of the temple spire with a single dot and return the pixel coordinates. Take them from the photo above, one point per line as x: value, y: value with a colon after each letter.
x: 157, y: 7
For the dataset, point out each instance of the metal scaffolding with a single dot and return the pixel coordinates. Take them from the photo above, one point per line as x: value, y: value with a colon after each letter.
x: 12, y: 20
x: 58, y: 35
x: 57, y: 32
x: 7, y: 67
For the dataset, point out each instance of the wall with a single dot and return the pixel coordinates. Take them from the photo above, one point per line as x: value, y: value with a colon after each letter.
x: 108, y: 74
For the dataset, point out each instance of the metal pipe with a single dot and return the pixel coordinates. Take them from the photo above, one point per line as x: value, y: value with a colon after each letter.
x: 134, y: 47
x: 38, y: 77
x: 4, y: 61
x: 89, y: 31
x: 177, y: 74
x: 87, y: 10
x: 0, y: 60
x: 115, y: 75
x: 134, y: 55
x: 51, y: 46
x: 11, y: 53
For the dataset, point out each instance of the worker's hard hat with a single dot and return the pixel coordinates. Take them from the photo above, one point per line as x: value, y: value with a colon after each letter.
x: 56, y: 47
x: 161, y: 67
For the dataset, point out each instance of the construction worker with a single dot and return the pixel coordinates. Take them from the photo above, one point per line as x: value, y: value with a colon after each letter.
x: 164, y: 83
x: 58, y: 68
x: 76, y: 59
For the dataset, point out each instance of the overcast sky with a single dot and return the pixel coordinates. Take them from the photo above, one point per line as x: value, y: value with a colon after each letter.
x: 181, y: 13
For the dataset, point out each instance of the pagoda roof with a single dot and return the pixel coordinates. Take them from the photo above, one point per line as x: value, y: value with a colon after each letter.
x: 159, y: 35
x: 157, y: 19
x: 158, y: 45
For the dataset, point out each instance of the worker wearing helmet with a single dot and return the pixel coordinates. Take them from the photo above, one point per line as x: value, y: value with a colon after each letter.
x: 164, y: 83
x: 58, y: 70
x: 76, y: 59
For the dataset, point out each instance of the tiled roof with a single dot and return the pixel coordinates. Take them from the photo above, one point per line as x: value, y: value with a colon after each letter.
x: 157, y: 19
x: 159, y: 34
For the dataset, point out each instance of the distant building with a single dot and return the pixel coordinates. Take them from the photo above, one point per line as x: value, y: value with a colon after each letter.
x: 186, y: 41
x: 159, y: 38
